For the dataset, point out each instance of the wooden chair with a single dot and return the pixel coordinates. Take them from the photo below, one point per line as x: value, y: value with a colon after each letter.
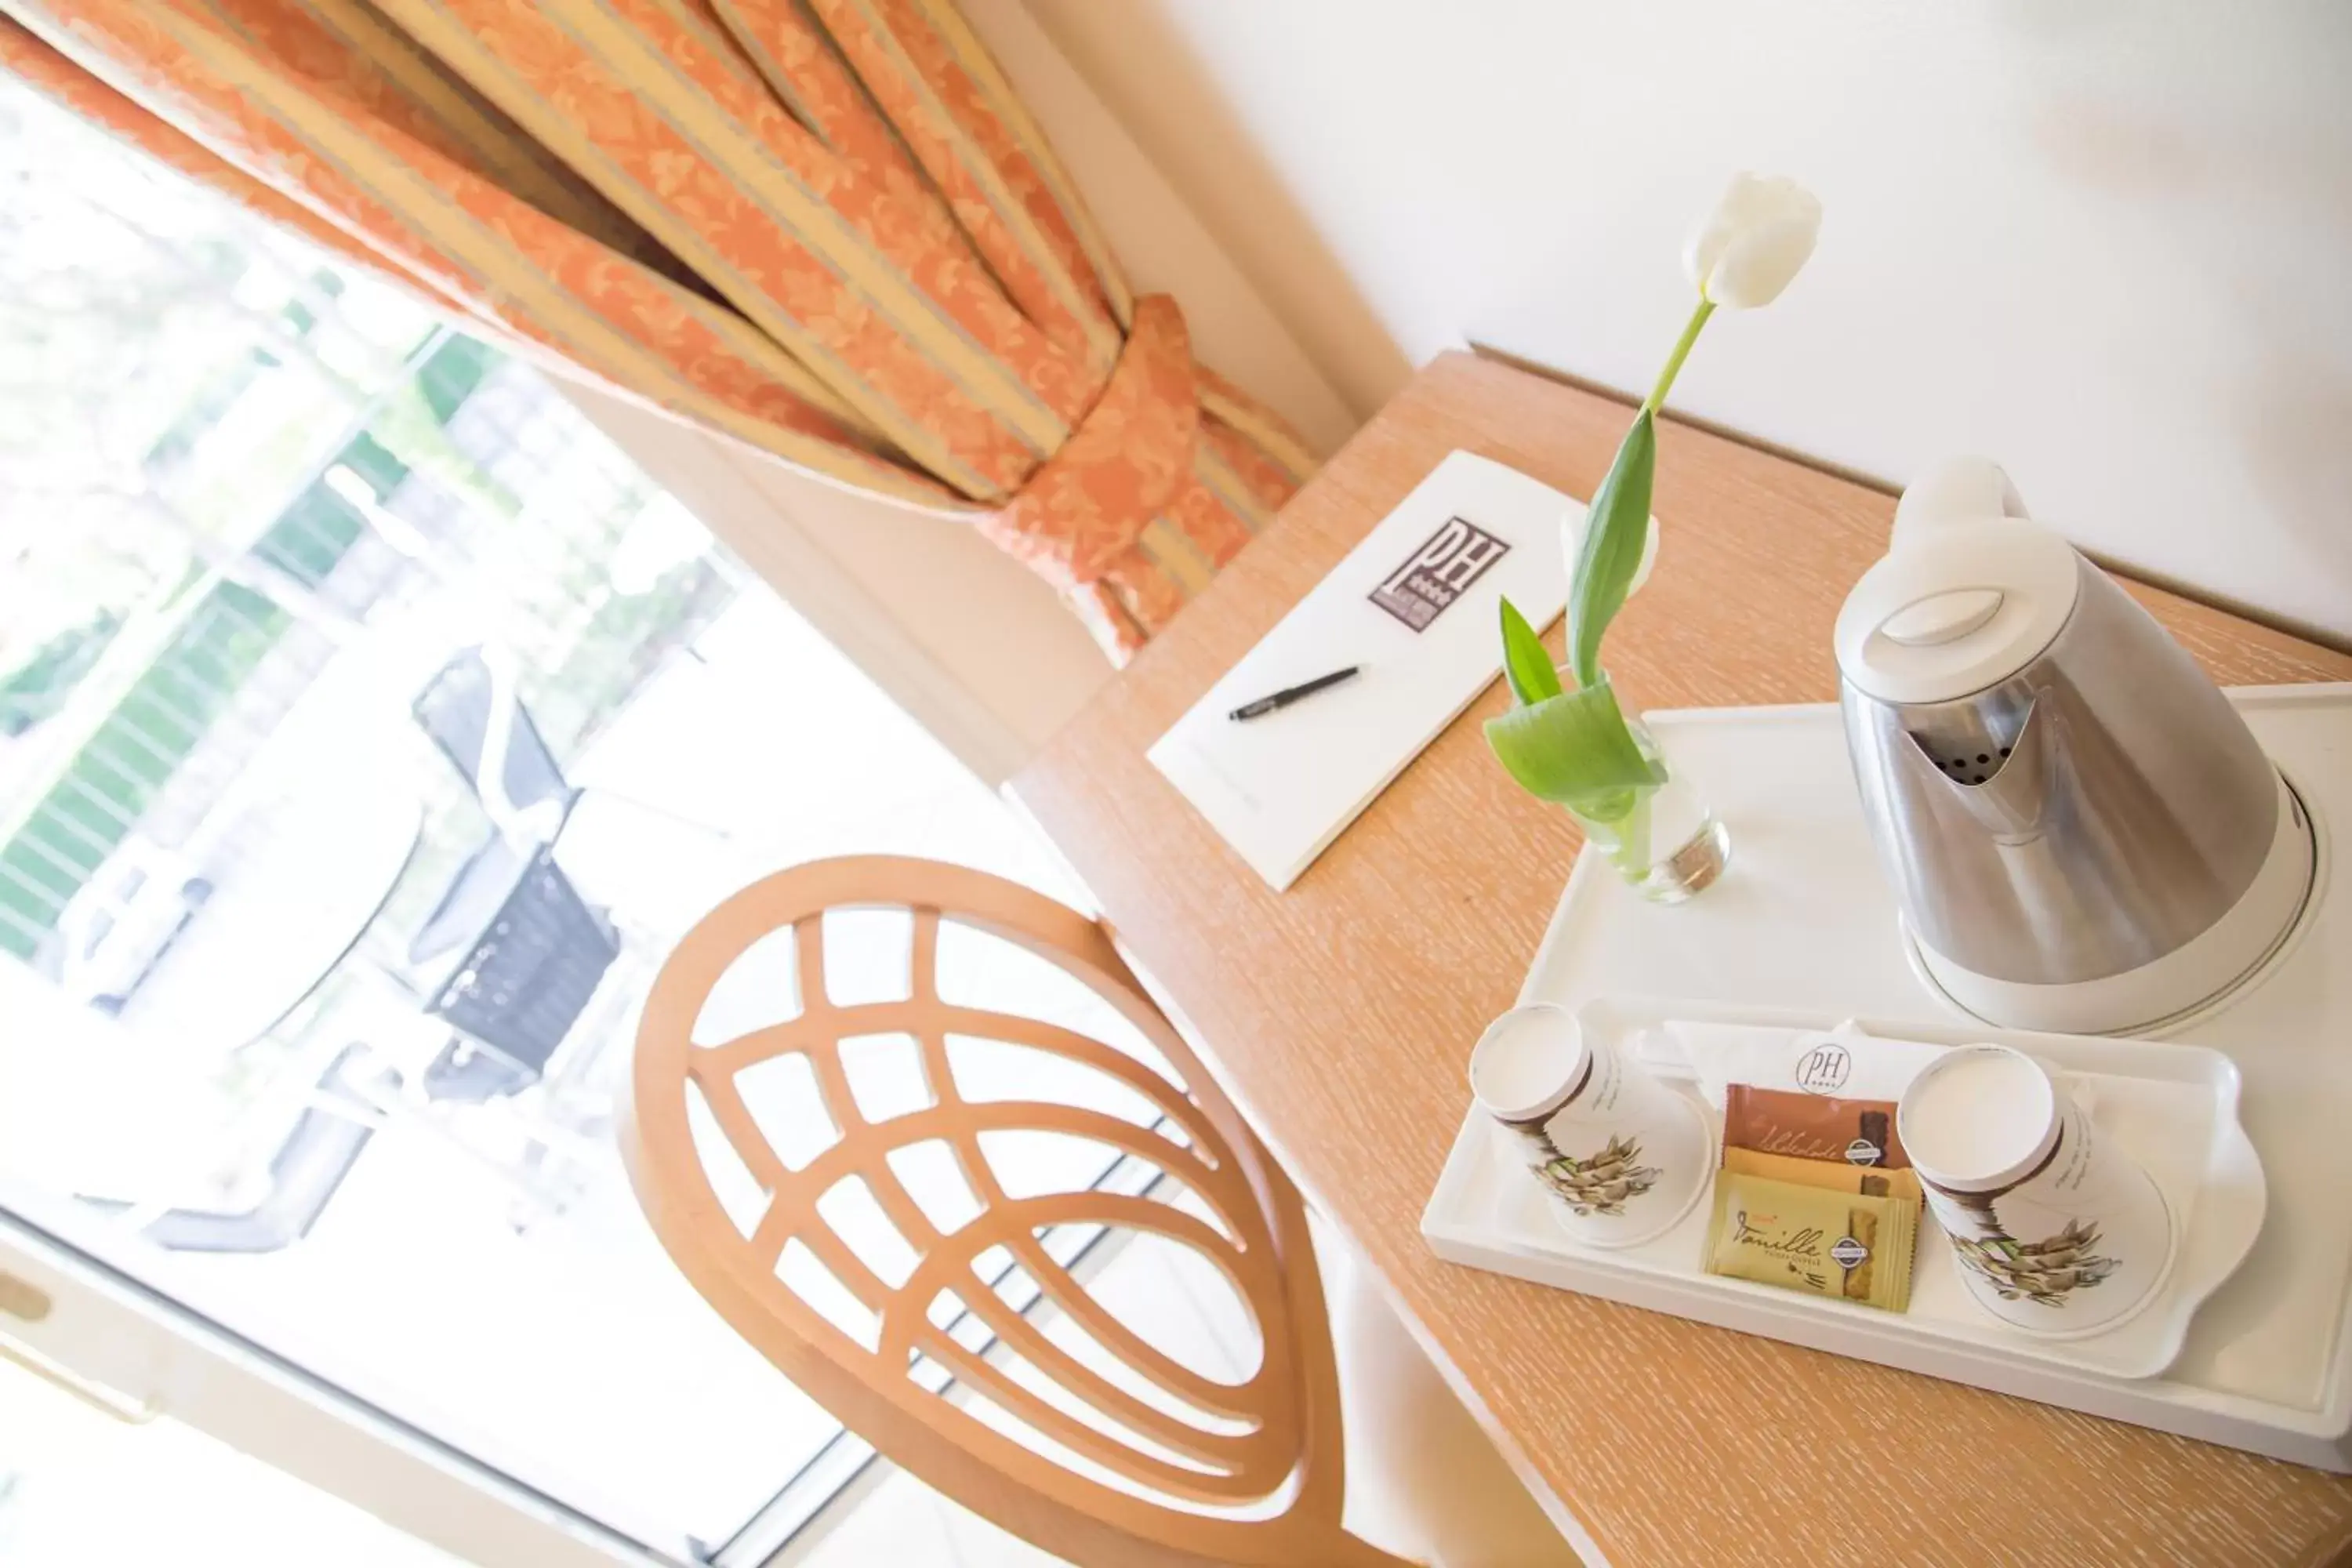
x: 1253, y: 1475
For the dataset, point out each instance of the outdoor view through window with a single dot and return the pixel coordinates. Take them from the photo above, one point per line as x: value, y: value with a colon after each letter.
x: 341, y: 661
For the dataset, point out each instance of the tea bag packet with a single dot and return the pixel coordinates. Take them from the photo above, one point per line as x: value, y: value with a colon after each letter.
x: 1849, y: 1247
x: 1831, y: 1176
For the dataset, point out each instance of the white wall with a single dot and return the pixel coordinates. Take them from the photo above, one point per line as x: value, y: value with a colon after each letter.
x: 976, y: 647
x: 2108, y: 242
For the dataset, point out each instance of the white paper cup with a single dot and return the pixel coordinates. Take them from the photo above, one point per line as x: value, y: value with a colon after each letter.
x: 1620, y: 1157
x: 2056, y: 1229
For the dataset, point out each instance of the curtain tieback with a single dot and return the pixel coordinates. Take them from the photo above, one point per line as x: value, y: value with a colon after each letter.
x: 1087, y: 505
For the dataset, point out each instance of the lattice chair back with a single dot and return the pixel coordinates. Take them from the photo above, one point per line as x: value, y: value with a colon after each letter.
x: 875, y: 1281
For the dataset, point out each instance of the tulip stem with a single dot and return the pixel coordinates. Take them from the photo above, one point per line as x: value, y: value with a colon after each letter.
x: 1658, y: 398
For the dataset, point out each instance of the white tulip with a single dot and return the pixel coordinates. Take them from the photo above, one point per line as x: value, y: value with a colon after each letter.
x: 1758, y: 237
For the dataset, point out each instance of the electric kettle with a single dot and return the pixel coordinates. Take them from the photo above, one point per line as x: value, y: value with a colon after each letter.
x: 2082, y: 833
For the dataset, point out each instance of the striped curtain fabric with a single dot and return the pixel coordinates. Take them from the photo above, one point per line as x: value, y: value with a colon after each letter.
x: 827, y: 228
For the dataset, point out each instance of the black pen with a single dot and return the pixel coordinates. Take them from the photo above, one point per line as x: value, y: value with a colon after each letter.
x: 1290, y: 694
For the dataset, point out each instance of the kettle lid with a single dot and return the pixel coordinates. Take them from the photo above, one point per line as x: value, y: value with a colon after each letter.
x: 1963, y: 598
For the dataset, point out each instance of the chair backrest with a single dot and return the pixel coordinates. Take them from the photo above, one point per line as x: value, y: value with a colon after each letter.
x: 1137, y: 1459
x: 530, y: 964
x: 475, y: 716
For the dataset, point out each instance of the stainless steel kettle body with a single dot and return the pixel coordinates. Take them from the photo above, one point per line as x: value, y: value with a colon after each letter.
x: 2081, y: 831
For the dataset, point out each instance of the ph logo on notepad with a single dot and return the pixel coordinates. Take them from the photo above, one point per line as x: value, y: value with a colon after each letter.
x: 1439, y: 573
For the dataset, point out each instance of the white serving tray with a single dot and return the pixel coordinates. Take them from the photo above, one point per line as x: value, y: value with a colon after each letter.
x: 2172, y: 1108
x: 1802, y: 924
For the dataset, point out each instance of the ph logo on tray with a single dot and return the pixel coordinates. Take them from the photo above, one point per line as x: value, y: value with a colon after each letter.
x: 1824, y: 1069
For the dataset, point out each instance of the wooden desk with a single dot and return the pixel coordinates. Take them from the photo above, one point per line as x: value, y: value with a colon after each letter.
x: 1342, y: 1014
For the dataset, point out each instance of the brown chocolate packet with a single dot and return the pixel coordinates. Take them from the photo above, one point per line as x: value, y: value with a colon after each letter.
x: 1812, y: 1126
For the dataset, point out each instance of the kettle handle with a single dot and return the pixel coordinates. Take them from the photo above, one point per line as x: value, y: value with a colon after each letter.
x: 1956, y: 492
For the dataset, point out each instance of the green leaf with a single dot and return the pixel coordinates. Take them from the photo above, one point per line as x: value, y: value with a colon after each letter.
x: 1526, y: 665
x: 1573, y: 749
x: 1616, y: 528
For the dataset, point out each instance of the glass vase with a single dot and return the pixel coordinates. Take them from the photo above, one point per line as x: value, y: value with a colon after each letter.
x: 1661, y: 837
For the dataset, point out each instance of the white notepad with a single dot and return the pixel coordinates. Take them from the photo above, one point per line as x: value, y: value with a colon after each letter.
x: 1415, y: 605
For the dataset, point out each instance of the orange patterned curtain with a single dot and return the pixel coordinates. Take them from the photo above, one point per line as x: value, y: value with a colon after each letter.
x: 825, y: 228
